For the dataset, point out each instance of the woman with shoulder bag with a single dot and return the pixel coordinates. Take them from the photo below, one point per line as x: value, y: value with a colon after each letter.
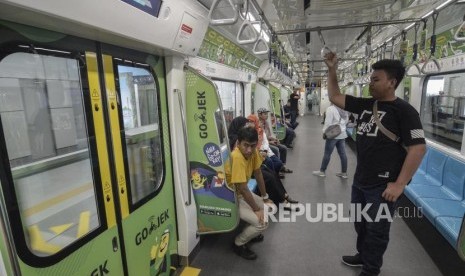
x: 334, y: 131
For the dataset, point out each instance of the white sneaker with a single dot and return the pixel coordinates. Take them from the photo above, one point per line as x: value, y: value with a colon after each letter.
x: 319, y: 173
x: 341, y: 174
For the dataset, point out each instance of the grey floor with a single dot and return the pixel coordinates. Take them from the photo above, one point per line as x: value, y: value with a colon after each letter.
x: 304, y: 248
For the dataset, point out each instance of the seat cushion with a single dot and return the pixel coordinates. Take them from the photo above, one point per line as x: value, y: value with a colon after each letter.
x: 454, y: 177
x: 416, y: 191
x: 449, y: 227
x: 435, y: 207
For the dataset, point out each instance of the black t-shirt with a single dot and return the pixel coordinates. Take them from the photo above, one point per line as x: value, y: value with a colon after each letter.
x: 294, y: 102
x: 379, y: 159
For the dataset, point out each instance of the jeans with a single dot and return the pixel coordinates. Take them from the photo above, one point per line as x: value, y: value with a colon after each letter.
x: 274, y: 163
x: 372, y: 236
x: 329, y: 147
x: 293, y: 114
x: 290, y: 135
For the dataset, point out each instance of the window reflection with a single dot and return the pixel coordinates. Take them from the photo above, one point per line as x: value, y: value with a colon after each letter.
x: 43, y: 119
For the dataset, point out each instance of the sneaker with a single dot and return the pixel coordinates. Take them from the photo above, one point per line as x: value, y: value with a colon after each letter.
x: 319, y: 173
x: 354, y: 260
x: 258, y: 238
x: 244, y: 251
x: 291, y: 200
x: 341, y: 174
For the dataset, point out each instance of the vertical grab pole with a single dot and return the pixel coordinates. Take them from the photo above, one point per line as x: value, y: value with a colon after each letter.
x: 186, y: 145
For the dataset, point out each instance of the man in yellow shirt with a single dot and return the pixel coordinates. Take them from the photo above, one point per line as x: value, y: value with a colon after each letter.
x: 245, y: 160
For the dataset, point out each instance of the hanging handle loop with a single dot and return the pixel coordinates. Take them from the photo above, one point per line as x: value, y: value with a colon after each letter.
x: 225, y: 21
x: 432, y: 58
x: 261, y: 41
x: 415, y: 55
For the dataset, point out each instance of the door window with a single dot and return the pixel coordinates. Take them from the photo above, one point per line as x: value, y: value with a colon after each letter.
x: 45, y: 130
x: 139, y: 103
x: 231, y: 95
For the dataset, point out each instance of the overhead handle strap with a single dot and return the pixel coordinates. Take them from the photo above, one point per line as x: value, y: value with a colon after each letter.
x: 368, y: 47
x: 246, y: 24
x: 225, y: 21
x: 414, y: 63
x: 460, y: 33
x: 261, y: 41
x: 432, y: 58
x: 392, y: 48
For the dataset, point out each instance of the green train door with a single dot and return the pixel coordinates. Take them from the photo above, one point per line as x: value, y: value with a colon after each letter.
x: 208, y: 155
x: 86, y: 181
x: 135, y: 93
x: 57, y: 194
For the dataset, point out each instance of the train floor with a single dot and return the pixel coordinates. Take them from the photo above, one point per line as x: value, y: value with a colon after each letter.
x: 313, y: 248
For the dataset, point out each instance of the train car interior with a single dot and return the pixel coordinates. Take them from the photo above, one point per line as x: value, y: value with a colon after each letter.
x: 120, y: 121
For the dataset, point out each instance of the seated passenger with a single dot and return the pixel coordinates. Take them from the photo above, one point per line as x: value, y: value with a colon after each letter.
x: 272, y: 161
x: 273, y: 141
x: 246, y: 160
x: 290, y: 133
x: 274, y: 187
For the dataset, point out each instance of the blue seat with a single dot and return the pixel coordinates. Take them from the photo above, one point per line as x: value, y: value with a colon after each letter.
x: 449, y: 227
x: 452, y: 188
x: 435, y: 207
x: 438, y: 189
x: 252, y: 184
x: 434, y: 169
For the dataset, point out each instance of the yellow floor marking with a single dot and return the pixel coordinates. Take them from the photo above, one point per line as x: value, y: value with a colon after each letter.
x: 39, y: 244
x: 190, y: 271
x: 57, y: 199
x: 84, y: 220
x: 61, y: 228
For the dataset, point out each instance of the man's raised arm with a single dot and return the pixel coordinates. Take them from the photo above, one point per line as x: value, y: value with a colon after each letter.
x: 334, y: 92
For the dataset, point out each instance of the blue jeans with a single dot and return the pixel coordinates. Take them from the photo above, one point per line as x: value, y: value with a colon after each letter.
x: 293, y: 117
x: 273, y: 163
x: 329, y: 147
x: 372, y: 237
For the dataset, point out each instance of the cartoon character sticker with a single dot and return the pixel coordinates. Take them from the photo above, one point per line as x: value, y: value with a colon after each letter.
x: 197, y: 180
x: 160, y: 262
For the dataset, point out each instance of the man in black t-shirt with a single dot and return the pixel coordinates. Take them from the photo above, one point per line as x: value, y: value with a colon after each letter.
x: 384, y: 167
x: 294, y: 108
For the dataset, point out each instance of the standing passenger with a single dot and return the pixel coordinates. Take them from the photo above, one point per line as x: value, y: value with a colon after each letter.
x: 294, y: 108
x: 246, y: 160
x: 384, y: 168
x: 335, y: 115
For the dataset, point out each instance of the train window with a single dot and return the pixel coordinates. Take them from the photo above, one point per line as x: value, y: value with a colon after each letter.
x: 231, y: 99
x: 139, y: 103
x: 443, y: 112
x: 43, y: 119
